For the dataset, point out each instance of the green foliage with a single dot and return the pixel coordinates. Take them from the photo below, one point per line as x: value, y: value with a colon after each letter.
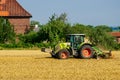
x: 80, y: 29
x: 101, y: 37
x: 53, y: 31
x: 31, y: 37
x: 16, y: 45
x: 7, y: 34
x: 57, y: 28
x: 46, y: 45
x: 33, y: 23
x: 104, y: 28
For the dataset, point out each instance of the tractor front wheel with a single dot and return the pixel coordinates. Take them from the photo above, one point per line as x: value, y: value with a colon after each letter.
x: 63, y: 54
x: 86, y: 52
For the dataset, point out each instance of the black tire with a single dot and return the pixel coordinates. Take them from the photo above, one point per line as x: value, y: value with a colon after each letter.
x: 86, y: 52
x: 63, y: 54
x: 54, y: 56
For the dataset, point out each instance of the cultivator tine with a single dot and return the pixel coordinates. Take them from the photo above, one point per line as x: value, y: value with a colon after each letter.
x: 100, y: 54
x: 110, y: 52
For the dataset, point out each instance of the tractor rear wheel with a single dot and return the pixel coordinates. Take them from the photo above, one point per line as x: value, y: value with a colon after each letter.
x: 86, y: 52
x: 63, y: 54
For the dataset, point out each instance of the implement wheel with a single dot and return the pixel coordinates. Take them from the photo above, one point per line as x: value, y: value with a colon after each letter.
x: 63, y: 54
x: 86, y: 52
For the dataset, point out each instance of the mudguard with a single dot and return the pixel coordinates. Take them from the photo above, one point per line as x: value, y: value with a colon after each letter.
x: 61, y: 46
x: 84, y: 44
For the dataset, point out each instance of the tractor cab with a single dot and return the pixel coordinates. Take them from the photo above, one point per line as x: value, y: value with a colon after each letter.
x: 75, y: 40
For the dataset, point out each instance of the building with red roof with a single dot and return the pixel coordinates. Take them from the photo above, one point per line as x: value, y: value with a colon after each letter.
x: 16, y: 14
x: 116, y: 35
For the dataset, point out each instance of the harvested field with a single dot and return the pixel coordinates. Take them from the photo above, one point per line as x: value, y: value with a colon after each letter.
x: 35, y: 65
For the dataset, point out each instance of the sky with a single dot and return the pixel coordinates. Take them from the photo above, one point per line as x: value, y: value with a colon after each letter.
x: 88, y: 12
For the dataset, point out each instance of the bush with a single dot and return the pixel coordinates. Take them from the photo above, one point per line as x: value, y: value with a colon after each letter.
x: 8, y: 45
x: 39, y: 45
x: 117, y: 47
x: 18, y: 45
x: 31, y: 38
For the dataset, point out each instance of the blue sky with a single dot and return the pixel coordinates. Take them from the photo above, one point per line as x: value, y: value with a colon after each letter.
x: 88, y: 12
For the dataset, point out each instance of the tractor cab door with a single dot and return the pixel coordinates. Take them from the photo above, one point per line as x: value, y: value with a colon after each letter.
x: 77, y: 41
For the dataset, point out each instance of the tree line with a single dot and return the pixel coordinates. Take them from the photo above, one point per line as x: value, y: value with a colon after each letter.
x: 54, y: 31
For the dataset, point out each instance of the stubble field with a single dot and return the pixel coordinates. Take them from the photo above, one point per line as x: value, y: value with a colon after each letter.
x: 35, y: 65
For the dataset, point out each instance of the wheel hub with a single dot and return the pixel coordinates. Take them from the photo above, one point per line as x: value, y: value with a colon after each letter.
x: 86, y: 52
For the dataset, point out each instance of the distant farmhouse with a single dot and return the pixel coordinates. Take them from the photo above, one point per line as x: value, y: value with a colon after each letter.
x: 116, y: 35
x: 16, y: 14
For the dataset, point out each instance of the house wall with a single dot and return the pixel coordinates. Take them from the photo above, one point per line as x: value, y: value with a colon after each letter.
x: 21, y: 25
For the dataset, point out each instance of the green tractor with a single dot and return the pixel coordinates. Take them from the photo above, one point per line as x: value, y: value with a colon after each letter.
x: 76, y: 46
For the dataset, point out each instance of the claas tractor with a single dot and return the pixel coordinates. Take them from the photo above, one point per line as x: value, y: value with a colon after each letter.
x: 77, y: 47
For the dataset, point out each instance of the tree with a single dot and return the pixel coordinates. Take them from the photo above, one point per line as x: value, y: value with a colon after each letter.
x: 7, y: 34
x: 62, y: 17
x: 100, y: 37
x: 77, y: 29
x: 104, y: 28
x: 33, y: 23
x: 53, y: 30
x: 31, y: 37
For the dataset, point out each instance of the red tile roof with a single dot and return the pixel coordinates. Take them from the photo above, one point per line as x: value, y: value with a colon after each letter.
x: 11, y: 8
x: 116, y: 34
